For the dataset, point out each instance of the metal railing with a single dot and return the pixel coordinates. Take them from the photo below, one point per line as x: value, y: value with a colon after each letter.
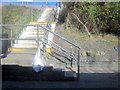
x: 74, y: 56
x: 66, y: 52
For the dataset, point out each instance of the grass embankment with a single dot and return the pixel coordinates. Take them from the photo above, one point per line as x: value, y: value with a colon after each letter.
x: 90, y: 46
x: 76, y: 36
x: 92, y: 25
x: 16, y: 14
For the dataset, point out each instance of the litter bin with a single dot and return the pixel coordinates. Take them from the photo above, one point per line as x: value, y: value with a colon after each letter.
x: 4, y: 44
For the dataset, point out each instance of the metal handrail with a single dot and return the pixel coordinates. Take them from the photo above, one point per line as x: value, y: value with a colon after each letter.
x: 58, y: 49
x: 62, y: 49
x: 45, y: 29
x: 71, y: 55
x: 78, y: 58
x: 61, y: 37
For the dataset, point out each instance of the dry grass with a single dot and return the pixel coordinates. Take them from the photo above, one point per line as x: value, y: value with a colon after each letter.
x: 76, y: 36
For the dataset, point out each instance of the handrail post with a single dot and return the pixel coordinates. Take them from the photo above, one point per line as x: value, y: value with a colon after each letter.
x: 11, y: 40
x: 71, y: 62
x: 44, y: 43
x: 78, y: 63
x: 37, y: 36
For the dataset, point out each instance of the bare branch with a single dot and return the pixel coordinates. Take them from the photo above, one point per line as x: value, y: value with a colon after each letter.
x: 86, y: 29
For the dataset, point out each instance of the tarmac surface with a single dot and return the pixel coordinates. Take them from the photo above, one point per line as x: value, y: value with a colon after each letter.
x: 87, y: 80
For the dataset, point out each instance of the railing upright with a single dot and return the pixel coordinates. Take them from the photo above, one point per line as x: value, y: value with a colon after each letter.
x: 38, y: 37
x: 78, y: 63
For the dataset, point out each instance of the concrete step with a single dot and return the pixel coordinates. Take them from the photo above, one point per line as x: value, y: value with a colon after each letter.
x: 27, y: 42
x: 58, y: 69
x: 20, y: 73
x: 34, y: 33
x: 59, y: 65
x: 30, y: 36
x: 70, y: 74
x: 27, y: 46
x: 35, y: 29
x: 24, y: 46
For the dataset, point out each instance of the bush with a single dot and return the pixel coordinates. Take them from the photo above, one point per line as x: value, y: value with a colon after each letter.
x: 99, y: 17
x: 63, y: 15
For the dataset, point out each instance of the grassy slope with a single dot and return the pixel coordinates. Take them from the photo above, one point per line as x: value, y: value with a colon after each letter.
x: 16, y: 14
x: 75, y: 32
x: 96, y: 45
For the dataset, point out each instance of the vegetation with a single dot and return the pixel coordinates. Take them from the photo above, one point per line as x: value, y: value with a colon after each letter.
x: 92, y: 17
x: 16, y: 14
x: 76, y: 37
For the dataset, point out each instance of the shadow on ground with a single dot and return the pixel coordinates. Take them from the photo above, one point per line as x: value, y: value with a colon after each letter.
x: 15, y: 76
x: 27, y: 73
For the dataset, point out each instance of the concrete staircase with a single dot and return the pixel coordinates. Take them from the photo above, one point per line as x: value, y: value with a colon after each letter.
x: 53, y: 71
x: 59, y: 64
x: 30, y: 32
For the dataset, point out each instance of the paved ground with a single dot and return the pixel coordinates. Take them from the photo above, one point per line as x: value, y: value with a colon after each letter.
x: 23, y: 59
x: 87, y: 80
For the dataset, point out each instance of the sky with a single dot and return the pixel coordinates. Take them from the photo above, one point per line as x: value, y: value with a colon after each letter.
x: 29, y: 0
x: 58, y: 0
x: 32, y: 2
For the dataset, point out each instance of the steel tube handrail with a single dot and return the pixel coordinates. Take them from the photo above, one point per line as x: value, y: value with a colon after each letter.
x: 45, y: 29
x: 58, y: 49
x: 15, y: 39
x: 78, y: 59
x: 61, y: 37
x: 62, y: 49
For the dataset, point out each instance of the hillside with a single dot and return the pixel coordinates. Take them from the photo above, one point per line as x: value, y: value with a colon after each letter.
x: 78, y: 24
x: 18, y: 14
x: 13, y: 13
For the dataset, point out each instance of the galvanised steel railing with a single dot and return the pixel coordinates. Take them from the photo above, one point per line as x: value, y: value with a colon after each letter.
x: 75, y: 56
